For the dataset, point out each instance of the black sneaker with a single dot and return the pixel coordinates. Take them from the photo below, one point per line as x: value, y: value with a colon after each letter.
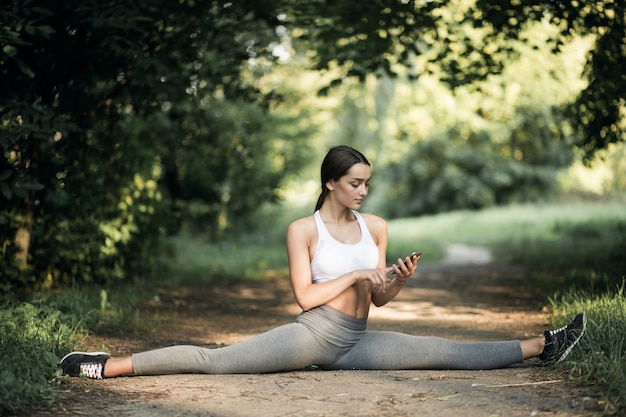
x: 560, y: 342
x: 87, y: 364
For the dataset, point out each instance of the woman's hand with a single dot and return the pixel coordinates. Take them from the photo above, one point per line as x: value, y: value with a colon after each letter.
x: 404, y: 269
x: 378, y: 277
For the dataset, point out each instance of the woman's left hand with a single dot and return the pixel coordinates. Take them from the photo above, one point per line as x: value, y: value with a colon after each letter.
x: 405, y: 268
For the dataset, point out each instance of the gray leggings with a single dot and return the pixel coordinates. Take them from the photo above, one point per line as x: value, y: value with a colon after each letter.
x: 328, y: 339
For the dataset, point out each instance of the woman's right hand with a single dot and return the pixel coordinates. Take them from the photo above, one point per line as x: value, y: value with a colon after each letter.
x: 378, y: 277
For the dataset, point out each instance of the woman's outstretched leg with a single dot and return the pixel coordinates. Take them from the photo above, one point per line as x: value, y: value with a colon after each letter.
x: 284, y: 348
x: 390, y: 350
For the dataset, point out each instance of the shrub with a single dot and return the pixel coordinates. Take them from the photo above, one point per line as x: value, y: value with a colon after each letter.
x: 32, y: 340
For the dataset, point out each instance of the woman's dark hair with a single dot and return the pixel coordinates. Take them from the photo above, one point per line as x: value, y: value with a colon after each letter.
x: 335, y: 165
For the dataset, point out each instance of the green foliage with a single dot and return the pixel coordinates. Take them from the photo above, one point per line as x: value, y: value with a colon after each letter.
x: 32, y: 339
x: 219, y: 171
x: 457, y: 174
x: 598, y: 112
x: 467, y: 41
x: 384, y: 33
x: 34, y: 335
x: 121, y: 121
x: 493, y: 141
x: 145, y: 109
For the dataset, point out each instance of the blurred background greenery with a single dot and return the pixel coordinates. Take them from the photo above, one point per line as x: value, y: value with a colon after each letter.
x: 176, y: 140
x: 122, y: 123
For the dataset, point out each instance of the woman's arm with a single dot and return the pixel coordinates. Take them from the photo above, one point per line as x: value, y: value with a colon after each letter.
x: 403, y: 271
x: 300, y: 234
x: 381, y: 295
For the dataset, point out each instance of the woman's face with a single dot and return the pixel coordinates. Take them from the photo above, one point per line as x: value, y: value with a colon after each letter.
x: 351, y: 189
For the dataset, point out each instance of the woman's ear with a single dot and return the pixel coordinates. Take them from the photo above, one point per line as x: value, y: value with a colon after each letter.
x: 330, y: 185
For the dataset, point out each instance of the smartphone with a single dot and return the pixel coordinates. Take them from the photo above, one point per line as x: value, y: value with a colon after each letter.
x: 413, y: 255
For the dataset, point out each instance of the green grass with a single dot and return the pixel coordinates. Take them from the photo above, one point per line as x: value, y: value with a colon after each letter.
x: 199, y: 260
x: 601, y: 356
x: 515, y: 222
x: 32, y: 338
x: 34, y: 335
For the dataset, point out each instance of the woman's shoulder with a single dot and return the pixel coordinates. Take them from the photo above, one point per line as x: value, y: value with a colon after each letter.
x: 301, y: 231
x: 374, y: 223
x: 303, y: 224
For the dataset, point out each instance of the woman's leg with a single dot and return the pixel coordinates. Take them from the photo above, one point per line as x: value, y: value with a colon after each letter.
x: 317, y: 337
x: 284, y: 348
x: 390, y: 350
x: 117, y: 367
x: 532, y: 347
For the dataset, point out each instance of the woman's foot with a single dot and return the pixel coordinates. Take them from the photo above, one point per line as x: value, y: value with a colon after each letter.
x: 87, y: 364
x: 560, y: 342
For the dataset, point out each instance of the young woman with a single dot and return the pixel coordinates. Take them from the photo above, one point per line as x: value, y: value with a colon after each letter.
x: 337, y: 269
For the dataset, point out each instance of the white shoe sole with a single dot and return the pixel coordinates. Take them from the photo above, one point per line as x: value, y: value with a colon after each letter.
x: 83, y: 353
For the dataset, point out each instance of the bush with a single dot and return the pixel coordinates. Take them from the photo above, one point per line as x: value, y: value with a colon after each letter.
x: 32, y: 339
x: 454, y: 174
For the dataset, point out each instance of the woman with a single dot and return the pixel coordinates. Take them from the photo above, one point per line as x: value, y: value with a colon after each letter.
x: 337, y: 269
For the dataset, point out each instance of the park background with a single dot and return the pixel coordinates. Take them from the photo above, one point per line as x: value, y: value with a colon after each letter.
x: 175, y: 141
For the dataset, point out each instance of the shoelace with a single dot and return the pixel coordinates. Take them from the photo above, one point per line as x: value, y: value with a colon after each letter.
x: 91, y: 370
x: 555, y: 331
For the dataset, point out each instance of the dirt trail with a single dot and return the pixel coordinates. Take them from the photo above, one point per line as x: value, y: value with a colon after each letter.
x: 461, y: 298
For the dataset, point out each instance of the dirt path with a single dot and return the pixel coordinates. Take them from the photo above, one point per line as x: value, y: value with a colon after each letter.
x: 460, y: 298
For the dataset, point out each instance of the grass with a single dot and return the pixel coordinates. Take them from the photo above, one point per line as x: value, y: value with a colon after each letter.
x: 34, y: 335
x: 199, y: 260
x: 31, y: 340
x: 489, y: 226
x: 601, y: 358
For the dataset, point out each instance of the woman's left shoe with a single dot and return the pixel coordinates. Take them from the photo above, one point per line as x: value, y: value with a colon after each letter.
x: 560, y: 342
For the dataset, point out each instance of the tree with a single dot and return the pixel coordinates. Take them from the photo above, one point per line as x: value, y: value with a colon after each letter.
x: 495, y: 137
x: 598, y: 112
x: 85, y: 177
x: 384, y: 35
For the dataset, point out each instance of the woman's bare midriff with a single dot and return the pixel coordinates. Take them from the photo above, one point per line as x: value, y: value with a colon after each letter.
x: 355, y: 301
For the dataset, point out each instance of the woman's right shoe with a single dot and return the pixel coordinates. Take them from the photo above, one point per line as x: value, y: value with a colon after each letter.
x: 87, y: 364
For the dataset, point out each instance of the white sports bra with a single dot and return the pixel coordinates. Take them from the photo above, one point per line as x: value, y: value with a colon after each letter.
x: 333, y: 258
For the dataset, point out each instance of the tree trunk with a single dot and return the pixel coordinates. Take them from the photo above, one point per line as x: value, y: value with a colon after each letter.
x: 22, y: 239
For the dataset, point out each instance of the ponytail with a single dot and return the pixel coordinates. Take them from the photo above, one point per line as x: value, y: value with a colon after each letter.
x: 321, y: 198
